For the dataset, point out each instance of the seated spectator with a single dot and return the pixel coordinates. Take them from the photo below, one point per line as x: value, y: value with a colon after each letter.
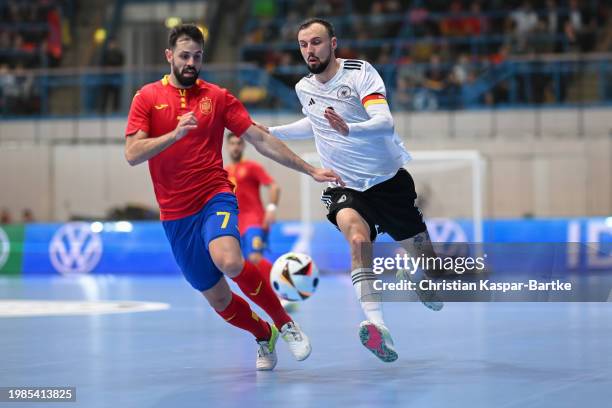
x: 477, y: 23
x: 402, y: 99
x: 435, y: 75
x: 377, y: 23
x: 455, y: 25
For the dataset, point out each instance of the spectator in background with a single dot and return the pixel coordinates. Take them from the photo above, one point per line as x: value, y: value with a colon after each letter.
x: 402, y: 99
x: 384, y: 56
x: 455, y: 24
x: 5, y: 216
x: 551, y: 17
x: 288, y: 27
x: 477, y: 23
x: 111, y: 91
x: 435, y: 75
x: 552, y: 20
x: 423, y: 49
x: 540, y: 40
x: 462, y: 71
x: 436, y: 78
x: 580, y: 28
x: 524, y: 21
x: 27, y: 216
x: 377, y: 23
x: 27, y: 53
x: 475, y: 26
x: 9, y: 90
x: 19, y: 94
x: 14, y: 12
x: 321, y: 8
x: 52, y: 44
x: 393, y: 8
x: 417, y: 21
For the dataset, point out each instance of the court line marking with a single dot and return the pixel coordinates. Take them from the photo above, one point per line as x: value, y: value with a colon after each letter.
x: 11, y: 308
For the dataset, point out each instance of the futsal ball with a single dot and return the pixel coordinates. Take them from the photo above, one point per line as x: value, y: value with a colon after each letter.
x: 294, y: 276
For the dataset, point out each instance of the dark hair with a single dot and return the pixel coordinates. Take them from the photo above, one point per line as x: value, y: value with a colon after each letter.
x: 328, y: 26
x: 185, y: 30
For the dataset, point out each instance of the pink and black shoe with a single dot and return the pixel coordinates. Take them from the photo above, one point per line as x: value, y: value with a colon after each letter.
x: 377, y: 339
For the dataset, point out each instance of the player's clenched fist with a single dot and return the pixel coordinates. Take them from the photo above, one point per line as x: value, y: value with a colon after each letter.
x: 186, y: 123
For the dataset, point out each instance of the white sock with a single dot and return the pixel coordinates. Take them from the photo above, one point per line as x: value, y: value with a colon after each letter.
x: 369, y: 298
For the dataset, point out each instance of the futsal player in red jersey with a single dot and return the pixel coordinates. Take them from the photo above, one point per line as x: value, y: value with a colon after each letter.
x: 177, y: 125
x: 254, y: 221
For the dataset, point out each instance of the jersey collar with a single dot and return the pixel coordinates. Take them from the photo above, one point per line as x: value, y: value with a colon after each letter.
x: 333, y: 79
x: 165, y: 81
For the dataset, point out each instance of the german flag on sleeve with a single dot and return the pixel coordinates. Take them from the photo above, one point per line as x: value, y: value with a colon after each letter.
x: 374, y: 99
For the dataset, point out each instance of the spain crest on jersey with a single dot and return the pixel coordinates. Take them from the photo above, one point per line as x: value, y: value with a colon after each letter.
x: 205, y: 105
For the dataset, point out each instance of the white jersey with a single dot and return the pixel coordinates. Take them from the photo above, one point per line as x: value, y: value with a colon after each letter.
x: 361, y: 161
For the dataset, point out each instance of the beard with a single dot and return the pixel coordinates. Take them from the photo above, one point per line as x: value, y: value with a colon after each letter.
x: 185, y: 80
x: 317, y: 69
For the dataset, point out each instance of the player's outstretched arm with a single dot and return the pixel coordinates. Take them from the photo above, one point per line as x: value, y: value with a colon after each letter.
x: 300, y: 129
x: 273, y: 148
x: 139, y: 148
x: 380, y: 121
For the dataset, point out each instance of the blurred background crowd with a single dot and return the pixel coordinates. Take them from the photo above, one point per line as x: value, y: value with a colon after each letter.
x: 432, y: 54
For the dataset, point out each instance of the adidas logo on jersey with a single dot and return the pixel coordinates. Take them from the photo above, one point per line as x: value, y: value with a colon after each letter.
x: 312, y: 102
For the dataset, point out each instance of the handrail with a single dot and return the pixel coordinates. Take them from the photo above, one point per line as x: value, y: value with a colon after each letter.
x: 522, y: 78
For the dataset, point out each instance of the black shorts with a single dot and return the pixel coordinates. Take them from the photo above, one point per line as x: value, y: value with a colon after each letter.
x: 386, y: 207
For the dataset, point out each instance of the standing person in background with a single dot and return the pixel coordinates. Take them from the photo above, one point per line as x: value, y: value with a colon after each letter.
x: 254, y: 222
x: 111, y: 91
x: 27, y: 216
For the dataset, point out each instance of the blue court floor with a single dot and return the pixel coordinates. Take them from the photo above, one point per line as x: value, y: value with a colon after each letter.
x: 468, y: 355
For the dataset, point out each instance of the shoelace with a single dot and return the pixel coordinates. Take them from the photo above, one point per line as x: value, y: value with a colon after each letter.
x: 292, y: 332
x: 263, y: 350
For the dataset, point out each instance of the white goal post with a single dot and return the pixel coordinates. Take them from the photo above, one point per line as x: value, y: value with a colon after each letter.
x: 470, y: 163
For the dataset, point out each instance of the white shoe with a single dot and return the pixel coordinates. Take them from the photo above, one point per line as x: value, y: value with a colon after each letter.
x: 377, y: 339
x: 429, y: 298
x: 298, y: 342
x: 266, y: 353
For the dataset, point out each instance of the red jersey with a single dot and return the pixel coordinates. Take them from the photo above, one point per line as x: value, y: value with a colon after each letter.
x: 248, y: 176
x: 190, y: 172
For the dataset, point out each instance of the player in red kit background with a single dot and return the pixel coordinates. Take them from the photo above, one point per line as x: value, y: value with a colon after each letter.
x: 254, y: 222
x: 177, y: 125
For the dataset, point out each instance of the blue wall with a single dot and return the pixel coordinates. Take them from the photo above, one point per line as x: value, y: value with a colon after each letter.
x: 141, y: 248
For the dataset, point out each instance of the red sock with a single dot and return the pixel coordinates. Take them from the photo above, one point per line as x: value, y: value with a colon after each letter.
x: 238, y: 313
x: 260, y: 292
x: 264, y: 266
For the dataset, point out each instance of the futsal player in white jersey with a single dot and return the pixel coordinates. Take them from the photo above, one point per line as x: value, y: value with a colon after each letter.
x: 346, y: 110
